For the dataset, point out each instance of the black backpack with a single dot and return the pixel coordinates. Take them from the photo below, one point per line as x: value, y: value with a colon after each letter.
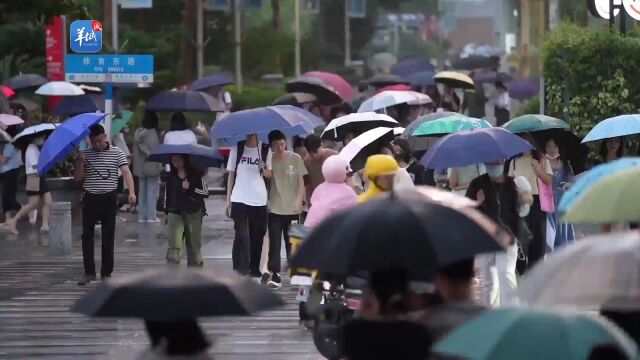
x: 264, y: 151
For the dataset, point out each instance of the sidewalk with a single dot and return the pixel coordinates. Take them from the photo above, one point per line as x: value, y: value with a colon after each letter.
x: 37, y: 289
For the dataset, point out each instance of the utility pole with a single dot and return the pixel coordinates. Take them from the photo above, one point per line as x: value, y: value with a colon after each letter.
x: 347, y: 35
x: 199, y: 39
x: 108, y: 87
x: 296, y: 25
x: 237, y: 35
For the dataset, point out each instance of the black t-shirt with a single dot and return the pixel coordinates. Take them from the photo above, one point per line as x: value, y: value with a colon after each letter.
x: 418, y: 173
x: 501, y: 200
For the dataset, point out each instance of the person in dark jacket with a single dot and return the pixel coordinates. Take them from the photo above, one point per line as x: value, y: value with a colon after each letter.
x: 185, y: 192
x: 405, y: 158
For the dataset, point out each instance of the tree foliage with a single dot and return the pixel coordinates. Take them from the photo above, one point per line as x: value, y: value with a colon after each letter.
x: 590, y: 74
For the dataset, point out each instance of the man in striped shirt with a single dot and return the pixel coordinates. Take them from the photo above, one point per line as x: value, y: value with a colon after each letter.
x: 97, y: 168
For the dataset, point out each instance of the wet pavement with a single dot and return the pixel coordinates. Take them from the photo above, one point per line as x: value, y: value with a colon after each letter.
x: 37, y: 289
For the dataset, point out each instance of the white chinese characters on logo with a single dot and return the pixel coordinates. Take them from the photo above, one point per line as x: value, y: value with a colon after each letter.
x: 84, y: 36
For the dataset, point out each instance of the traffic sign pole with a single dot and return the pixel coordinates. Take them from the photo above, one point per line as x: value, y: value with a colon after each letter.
x: 108, y: 109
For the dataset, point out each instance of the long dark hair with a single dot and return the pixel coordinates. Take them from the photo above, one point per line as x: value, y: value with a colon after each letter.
x: 604, y: 151
x: 178, y: 122
x: 150, y: 120
x: 191, y: 170
x: 566, y: 164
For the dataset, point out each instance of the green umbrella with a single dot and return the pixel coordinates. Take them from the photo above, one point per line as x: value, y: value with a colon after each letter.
x: 534, y: 122
x: 117, y: 124
x: 612, y: 199
x: 528, y: 334
x: 448, y: 125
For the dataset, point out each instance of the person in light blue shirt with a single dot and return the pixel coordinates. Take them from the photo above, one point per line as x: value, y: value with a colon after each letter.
x: 11, y: 161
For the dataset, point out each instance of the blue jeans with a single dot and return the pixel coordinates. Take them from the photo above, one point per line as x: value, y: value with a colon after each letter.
x: 148, y: 197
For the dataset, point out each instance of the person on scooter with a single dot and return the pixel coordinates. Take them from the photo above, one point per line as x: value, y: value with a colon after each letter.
x: 380, y: 171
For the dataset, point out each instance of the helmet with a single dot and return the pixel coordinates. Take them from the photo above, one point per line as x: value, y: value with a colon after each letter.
x: 335, y: 169
x: 379, y: 165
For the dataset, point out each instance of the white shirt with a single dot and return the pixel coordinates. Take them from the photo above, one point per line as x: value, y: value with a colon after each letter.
x: 402, y: 180
x: 180, y: 137
x: 249, y: 187
x: 31, y: 159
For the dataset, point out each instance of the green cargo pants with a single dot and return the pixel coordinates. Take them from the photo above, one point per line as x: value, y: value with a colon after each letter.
x: 185, y: 229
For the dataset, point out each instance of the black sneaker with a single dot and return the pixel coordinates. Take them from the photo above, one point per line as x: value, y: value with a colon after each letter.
x: 105, y: 277
x: 86, y: 279
x: 275, y: 281
x: 264, y: 279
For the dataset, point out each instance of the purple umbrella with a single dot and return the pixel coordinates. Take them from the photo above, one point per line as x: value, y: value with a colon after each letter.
x: 210, y: 81
x: 183, y: 100
x: 524, y: 88
x: 473, y: 147
x: 411, y: 66
x: 423, y: 78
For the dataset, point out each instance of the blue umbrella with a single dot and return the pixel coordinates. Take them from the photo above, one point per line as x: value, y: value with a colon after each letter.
x: 473, y: 147
x: 65, y: 138
x: 524, y: 88
x: 592, y: 177
x: 210, y: 81
x: 183, y: 100
x: 410, y: 66
x: 23, y: 81
x: 614, y: 127
x: 423, y: 78
x: 71, y: 105
x: 235, y: 126
x: 200, y: 156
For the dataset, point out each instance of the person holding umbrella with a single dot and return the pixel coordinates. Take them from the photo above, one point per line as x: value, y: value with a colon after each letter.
x: 449, y: 100
x: 148, y: 173
x: 11, y: 161
x: 380, y: 171
x: 97, y: 168
x: 562, y: 178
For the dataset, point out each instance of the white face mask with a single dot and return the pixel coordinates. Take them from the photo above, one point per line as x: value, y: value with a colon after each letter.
x: 552, y: 157
x: 494, y: 170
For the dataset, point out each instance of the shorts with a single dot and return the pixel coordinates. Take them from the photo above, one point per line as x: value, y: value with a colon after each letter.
x: 43, y: 188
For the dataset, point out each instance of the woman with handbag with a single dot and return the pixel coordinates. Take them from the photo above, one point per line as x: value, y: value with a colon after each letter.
x: 145, y: 140
x: 36, y: 188
x: 537, y: 170
x: 562, y: 179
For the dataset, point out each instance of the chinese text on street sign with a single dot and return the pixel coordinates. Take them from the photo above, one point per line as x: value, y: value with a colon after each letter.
x: 120, y: 68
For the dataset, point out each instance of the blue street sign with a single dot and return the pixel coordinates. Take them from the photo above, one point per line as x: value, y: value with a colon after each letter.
x: 85, y: 36
x: 120, y: 68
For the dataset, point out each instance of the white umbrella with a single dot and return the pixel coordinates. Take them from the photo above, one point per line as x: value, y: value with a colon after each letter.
x: 22, y: 139
x: 423, y: 99
x: 387, y: 99
x: 356, y: 123
x: 59, y: 88
x: 601, y: 271
x: 365, y: 145
x: 397, y: 131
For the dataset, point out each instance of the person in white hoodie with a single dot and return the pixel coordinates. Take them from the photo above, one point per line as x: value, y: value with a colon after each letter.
x: 179, y: 133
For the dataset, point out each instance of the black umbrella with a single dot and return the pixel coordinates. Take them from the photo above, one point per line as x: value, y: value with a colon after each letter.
x: 207, y: 82
x: 382, y: 80
x: 200, y: 156
x: 27, y: 104
x: 26, y: 136
x: 571, y: 146
x: 23, y: 81
x: 183, y: 100
x: 72, y: 105
x: 422, y: 143
x: 173, y: 294
x: 402, y: 231
x: 476, y: 62
x: 326, y: 94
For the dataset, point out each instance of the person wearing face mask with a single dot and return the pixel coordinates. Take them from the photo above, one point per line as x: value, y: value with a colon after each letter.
x: 562, y: 179
x: 37, y: 189
x: 501, y: 199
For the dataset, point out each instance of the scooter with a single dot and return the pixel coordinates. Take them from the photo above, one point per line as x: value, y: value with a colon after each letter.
x: 301, y: 277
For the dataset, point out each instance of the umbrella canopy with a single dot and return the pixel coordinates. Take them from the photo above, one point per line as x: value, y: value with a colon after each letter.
x: 423, y: 78
x: 261, y: 121
x: 366, y: 144
x: 450, y: 124
x: 4, y: 136
x: 454, y: 80
x: 398, y: 87
x: 326, y: 94
x: 590, y: 274
x: 174, y: 294
x: 402, y: 231
x: 476, y: 62
x: 611, y: 200
x: 398, y: 130
x: 622, y: 125
x: 200, y: 156
x: 65, y: 139
x: 9, y: 120
x: 473, y: 147
x: 423, y: 99
x: 382, y: 62
x: 184, y: 101
x: 592, y: 177
x: 207, y: 82
x: 26, y: 136
x: 507, y: 333
x: 28, y: 105
x: 382, y: 80
x: 356, y: 123
x: 410, y: 66
x: 387, y: 99
x: 342, y: 86
x: 59, y: 88
x: 492, y: 77
x: 534, y: 122
x: 23, y: 81
x: 118, y: 123
x: 524, y: 88
x: 72, y: 105
x: 423, y: 143
x: 7, y: 91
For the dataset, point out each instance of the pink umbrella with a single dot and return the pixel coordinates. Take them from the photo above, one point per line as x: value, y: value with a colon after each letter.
x: 7, y: 91
x: 398, y: 87
x: 8, y: 120
x: 341, y: 85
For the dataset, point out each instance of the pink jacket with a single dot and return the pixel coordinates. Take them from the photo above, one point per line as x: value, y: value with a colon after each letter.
x: 333, y: 194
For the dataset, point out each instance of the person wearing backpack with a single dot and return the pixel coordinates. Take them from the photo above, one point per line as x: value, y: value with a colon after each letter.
x: 247, y: 203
